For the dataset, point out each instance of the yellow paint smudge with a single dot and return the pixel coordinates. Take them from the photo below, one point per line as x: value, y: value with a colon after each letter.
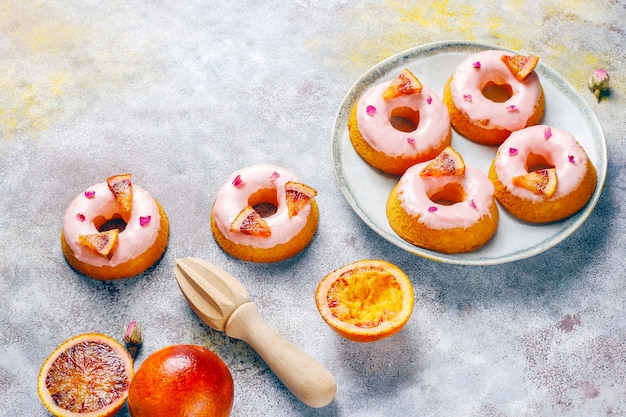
x: 52, y: 62
x: 550, y: 29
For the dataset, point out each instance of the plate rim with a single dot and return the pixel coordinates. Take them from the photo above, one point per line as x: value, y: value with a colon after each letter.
x: 339, y: 128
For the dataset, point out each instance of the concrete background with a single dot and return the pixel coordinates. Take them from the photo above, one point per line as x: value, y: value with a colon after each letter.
x: 182, y: 93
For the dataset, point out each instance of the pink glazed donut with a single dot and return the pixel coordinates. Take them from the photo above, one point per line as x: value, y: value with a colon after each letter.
x: 554, y: 153
x: 141, y: 233
x: 449, y: 214
x: 395, y: 133
x: 486, y: 100
x: 263, y: 213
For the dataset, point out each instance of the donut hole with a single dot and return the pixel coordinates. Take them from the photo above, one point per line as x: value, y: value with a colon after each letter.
x: 116, y: 222
x: 535, y: 162
x: 450, y: 194
x: 404, y: 119
x: 496, y: 92
x: 264, y: 202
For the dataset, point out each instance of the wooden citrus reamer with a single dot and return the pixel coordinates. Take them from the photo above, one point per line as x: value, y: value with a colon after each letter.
x: 223, y: 303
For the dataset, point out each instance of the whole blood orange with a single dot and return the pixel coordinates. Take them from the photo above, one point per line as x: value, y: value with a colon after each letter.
x: 86, y: 376
x: 182, y: 380
x: 366, y: 300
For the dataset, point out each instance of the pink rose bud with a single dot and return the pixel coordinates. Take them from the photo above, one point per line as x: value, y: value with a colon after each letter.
x: 599, y: 82
x: 133, y: 333
x: 133, y: 338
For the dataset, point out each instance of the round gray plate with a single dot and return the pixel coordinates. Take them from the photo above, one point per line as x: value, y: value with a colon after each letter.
x: 366, y: 189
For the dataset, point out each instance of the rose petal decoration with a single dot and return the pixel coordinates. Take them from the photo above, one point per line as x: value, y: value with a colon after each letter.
x: 571, y: 159
x: 512, y: 107
x: 432, y: 209
x: 144, y: 221
x: 513, y: 151
x: 90, y: 194
x: 80, y: 217
x: 275, y: 175
x: 411, y: 141
x: 429, y: 99
x: 370, y: 110
x: 472, y: 204
x: 476, y: 64
x: 547, y: 133
x: 238, y: 181
x: 467, y: 97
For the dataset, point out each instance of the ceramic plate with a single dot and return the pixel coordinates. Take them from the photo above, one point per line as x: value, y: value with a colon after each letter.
x: 366, y: 189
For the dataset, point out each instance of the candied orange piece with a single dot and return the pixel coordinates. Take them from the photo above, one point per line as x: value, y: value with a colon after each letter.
x: 405, y: 84
x: 251, y: 223
x: 298, y: 195
x: 122, y: 189
x: 520, y: 65
x: 541, y: 182
x: 102, y: 243
x: 448, y: 162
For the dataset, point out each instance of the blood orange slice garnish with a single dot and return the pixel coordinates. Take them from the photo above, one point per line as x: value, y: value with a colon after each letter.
x: 366, y: 300
x: 541, y: 182
x: 448, y: 162
x: 86, y: 376
x: 250, y: 222
x: 405, y: 84
x: 298, y: 195
x: 520, y: 65
x: 122, y: 188
x: 102, y: 243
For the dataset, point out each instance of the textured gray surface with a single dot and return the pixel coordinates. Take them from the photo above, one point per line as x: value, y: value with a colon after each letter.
x: 181, y: 94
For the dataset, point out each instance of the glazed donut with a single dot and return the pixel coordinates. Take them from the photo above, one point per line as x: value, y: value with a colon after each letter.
x: 541, y: 174
x: 114, y: 230
x: 263, y: 213
x: 449, y: 212
x: 487, y: 101
x: 392, y: 130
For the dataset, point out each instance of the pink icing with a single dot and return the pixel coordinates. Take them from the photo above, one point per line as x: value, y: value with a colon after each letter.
x: 469, y: 81
x: 560, y: 149
x: 375, y: 127
x: 414, y: 191
x: 133, y: 241
x: 231, y: 200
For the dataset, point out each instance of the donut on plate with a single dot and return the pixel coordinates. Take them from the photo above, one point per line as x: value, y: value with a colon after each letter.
x: 398, y: 123
x: 493, y: 93
x: 444, y: 205
x: 114, y: 230
x: 263, y: 213
x: 541, y: 174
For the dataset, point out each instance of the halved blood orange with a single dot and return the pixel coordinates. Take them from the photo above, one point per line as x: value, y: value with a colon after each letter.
x: 366, y: 300
x: 88, y: 375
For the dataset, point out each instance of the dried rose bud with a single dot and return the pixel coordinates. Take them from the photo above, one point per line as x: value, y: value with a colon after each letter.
x: 133, y: 338
x: 598, y: 82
